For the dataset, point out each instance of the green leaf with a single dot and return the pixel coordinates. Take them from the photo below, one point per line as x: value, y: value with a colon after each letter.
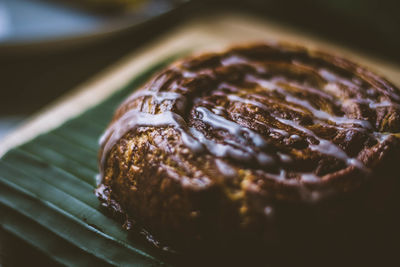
x: 47, y: 198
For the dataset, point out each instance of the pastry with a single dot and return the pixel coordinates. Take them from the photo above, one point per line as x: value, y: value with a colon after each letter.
x: 267, y: 144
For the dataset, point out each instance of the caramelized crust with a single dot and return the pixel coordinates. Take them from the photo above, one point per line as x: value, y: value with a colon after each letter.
x: 258, y: 144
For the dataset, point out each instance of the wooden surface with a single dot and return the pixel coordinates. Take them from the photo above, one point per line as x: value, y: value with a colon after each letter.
x: 202, y: 34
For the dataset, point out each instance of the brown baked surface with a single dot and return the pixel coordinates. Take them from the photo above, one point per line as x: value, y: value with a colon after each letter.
x: 260, y: 144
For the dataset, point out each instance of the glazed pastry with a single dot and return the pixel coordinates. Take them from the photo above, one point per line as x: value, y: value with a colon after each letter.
x: 261, y: 144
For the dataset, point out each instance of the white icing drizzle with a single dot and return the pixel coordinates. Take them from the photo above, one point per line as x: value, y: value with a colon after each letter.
x: 310, y: 89
x: 231, y: 87
x: 383, y: 104
x: 239, y: 149
x: 382, y: 137
x: 258, y: 104
x: 268, y: 85
x: 279, y: 177
x: 133, y: 119
x: 233, y: 60
x: 190, y: 74
x: 262, y: 98
x: 236, y: 60
x: 220, y: 150
x: 320, y: 114
x: 192, y: 138
x: 157, y: 96
x: 284, y: 157
x: 332, y: 88
x: 373, y: 104
x: 295, y: 137
x: 218, y: 110
x: 219, y: 122
x: 309, y: 177
x: 279, y: 131
x: 324, y: 146
x: 334, y: 78
x: 232, y: 149
x: 237, y: 98
x: 226, y: 169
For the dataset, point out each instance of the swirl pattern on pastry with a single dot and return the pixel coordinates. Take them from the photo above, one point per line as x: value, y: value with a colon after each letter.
x: 226, y: 137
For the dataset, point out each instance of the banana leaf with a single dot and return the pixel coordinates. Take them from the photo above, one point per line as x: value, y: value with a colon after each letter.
x: 47, y: 198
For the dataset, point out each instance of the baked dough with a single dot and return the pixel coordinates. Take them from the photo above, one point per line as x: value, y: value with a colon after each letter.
x: 267, y: 144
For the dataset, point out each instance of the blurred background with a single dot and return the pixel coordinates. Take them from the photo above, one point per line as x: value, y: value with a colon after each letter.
x: 48, y: 47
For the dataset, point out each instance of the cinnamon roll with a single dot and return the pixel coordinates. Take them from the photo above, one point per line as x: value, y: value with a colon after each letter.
x: 268, y: 144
